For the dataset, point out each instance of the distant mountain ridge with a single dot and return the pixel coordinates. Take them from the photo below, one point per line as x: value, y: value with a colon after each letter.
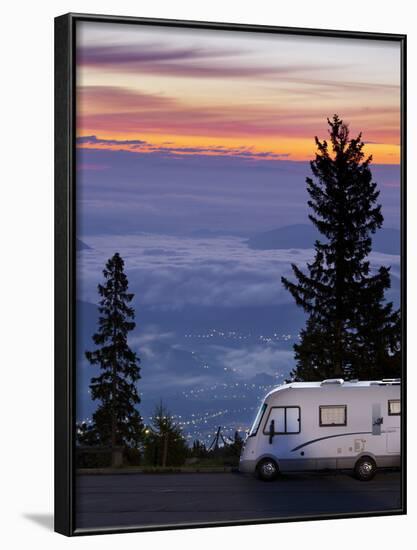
x: 387, y: 241
x: 80, y: 245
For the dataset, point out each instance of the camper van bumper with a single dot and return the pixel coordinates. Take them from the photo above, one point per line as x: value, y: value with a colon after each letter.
x: 247, y: 466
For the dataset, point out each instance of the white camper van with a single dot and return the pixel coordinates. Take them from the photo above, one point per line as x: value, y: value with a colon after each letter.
x: 326, y: 425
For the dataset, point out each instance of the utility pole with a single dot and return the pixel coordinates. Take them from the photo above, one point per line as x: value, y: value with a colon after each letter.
x: 215, y: 443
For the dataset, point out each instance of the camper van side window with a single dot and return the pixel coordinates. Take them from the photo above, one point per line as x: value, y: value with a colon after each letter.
x: 394, y: 407
x: 257, y: 421
x: 287, y: 420
x: 332, y: 415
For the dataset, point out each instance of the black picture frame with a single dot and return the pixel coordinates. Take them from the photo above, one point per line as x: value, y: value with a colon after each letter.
x: 65, y: 204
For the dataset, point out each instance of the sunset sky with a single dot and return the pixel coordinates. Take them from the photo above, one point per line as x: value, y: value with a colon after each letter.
x: 190, y: 144
x: 255, y: 96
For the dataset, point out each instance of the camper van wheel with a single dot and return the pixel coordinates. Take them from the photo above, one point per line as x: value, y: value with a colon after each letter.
x: 365, y: 468
x: 267, y: 469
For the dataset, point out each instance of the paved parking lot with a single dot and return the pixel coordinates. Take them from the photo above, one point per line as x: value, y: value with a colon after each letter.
x: 166, y: 499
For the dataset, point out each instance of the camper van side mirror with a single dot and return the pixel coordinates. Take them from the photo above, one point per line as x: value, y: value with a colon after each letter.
x: 271, y: 431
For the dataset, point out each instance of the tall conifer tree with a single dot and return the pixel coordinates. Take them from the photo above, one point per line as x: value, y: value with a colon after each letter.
x: 116, y: 422
x: 351, y: 330
x: 165, y: 444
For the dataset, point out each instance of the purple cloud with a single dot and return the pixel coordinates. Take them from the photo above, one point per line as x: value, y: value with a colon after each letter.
x: 128, y: 54
x: 137, y: 144
x: 186, y: 62
x: 94, y: 140
x: 106, y: 97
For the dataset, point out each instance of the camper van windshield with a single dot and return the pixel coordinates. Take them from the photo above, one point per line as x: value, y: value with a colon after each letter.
x: 257, y: 420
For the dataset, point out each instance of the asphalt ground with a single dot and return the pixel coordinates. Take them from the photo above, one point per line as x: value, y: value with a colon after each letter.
x: 152, y: 500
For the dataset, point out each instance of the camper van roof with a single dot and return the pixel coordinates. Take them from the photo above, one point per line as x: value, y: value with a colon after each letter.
x: 338, y: 383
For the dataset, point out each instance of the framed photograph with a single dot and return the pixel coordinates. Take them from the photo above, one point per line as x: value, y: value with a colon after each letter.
x: 230, y: 274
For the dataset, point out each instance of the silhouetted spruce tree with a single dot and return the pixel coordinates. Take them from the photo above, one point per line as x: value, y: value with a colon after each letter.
x: 198, y: 450
x: 165, y: 444
x: 116, y: 422
x: 237, y: 444
x: 378, y: 337
x: 350, y: 331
